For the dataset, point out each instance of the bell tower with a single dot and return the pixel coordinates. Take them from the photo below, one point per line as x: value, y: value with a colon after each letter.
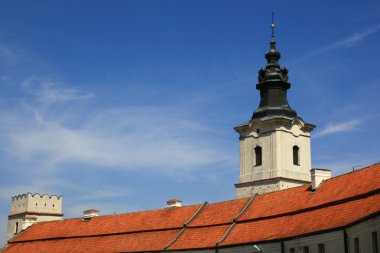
x: 275, y: 144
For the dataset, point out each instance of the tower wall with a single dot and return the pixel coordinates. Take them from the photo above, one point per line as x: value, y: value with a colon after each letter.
x: 276, y: 137
x: 29, y: 208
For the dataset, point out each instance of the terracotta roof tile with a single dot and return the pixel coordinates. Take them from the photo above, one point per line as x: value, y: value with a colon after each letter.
x: 146, y: 241
x: 219, y: 213
x: 337, y: 202
x: 110, y: 224
x: 198, y: 238
x: 337, y: 188
x: 303, y: 223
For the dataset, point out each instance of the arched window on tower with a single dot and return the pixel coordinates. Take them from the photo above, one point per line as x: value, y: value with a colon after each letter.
x: 296, y: 152
x: 258, y: 156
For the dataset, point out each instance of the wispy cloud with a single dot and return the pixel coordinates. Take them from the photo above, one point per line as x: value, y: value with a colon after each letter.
x: 9, y: 56
x: 127, y: 137
x: 351, y: 40
x: 338, y: 128
x: 48, y: 91
x: 347, y: 42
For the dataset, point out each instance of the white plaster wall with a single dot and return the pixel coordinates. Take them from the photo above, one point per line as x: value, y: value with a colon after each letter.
x: 266, y: 248
x: 19, y: 219
x: 36, y: 203
x: 276, y: 137
x: 12, y: 226
x: 277, y: 141
x: 364, y: 233
x: 333, y: 241
x: 33, y: 204
x: 286, y: 140
x: 266, y: 186
x: 44, y: 203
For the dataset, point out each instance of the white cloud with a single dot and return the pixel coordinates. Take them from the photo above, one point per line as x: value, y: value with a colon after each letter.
x: 131, y: 138
x: 338, y: 128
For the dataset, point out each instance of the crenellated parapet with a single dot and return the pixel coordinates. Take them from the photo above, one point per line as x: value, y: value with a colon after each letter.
x: 36, y: 203
x: 28, y: 208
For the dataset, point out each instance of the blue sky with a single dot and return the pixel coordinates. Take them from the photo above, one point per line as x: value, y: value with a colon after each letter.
x: 121, y: 105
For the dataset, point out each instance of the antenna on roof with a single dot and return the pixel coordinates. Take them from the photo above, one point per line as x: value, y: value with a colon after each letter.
x: 356, y: 166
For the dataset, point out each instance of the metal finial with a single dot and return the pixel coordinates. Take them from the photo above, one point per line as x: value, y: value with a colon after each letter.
x: 273, y: 26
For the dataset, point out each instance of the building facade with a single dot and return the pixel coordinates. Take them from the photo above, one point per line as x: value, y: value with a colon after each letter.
x: 282, y: 204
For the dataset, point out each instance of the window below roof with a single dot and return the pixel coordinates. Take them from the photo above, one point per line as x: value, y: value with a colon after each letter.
x: 375, y: 243
x: 321, y: 248
x: 356, y: 245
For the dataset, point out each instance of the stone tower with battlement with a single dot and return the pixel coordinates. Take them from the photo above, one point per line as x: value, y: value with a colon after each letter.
x: 29, y: 208
x: 275, y: 144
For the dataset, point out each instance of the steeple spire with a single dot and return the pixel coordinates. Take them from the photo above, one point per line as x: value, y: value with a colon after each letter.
x: 273, y: 26
x: 273, y: 85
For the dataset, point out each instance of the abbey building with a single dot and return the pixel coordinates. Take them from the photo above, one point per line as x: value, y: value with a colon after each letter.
x: 283, y: 205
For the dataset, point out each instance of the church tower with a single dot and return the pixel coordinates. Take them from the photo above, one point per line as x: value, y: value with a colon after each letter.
x: 275, y: 144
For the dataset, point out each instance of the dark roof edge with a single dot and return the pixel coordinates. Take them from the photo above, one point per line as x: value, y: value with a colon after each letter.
x: 35, y: 213
x: 328, y: 204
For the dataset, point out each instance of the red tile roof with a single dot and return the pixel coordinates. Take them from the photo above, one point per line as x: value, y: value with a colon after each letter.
x: 337, y: 203
x: 219, y: 213
x: 167, y: 218
x: 134, y: 242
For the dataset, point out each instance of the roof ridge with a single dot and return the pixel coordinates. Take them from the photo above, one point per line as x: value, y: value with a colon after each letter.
x: 354, y: 171
x: 185, y: 225
x: 235, y: 220
x: 332, y: 178
x: 245, y: 207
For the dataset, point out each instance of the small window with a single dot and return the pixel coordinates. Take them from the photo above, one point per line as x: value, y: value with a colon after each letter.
x: 356, y: 245
x: 305, y: 249
x: 292, y: 250
x: 375, y: 243
x: 258, y: 131
x: 258, y: 155
x: 321, y: 248
x: 16, y: 228
x: 296, y: 151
